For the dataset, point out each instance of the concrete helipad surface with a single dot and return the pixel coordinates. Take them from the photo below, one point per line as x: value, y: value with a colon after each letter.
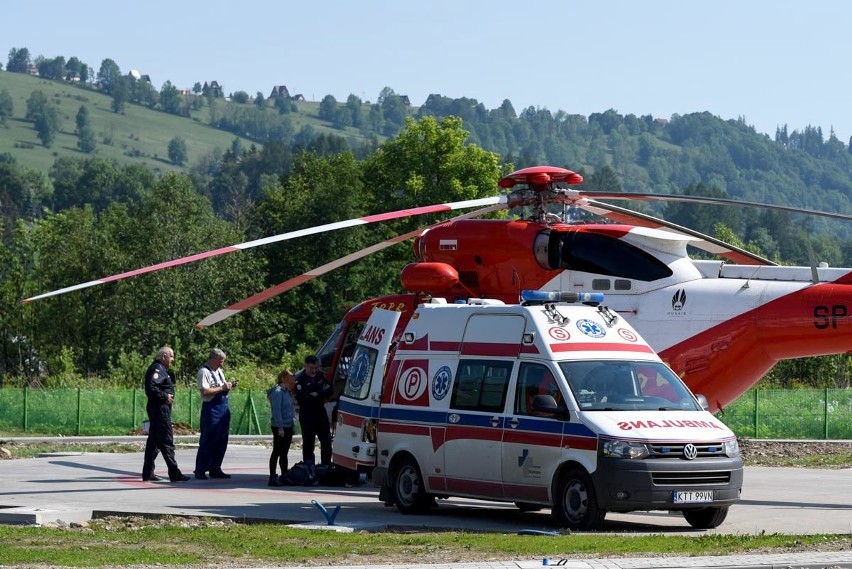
x: 78, y: 486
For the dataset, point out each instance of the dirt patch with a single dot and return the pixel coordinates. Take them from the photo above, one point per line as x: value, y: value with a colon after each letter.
x: 821, y: 454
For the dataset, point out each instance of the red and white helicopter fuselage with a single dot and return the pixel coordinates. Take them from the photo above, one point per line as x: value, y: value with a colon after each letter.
x: 720, y: 326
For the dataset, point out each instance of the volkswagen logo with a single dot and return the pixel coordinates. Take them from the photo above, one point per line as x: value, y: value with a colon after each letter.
x: 690, y: 452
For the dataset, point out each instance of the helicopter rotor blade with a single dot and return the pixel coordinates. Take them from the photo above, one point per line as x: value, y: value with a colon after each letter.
x: 283, y: 287
x: 410, y: 212
x: 639, y: 196
x: 704, y: 242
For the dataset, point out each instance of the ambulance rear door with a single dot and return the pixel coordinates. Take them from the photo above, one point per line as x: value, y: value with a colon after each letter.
x: 358, y: 410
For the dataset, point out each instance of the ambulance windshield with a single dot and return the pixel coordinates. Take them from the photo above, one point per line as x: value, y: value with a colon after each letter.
x: 634, y: 385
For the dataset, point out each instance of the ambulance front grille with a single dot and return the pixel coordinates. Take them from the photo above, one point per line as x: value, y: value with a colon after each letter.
x: 699, y: 478
x: 675, y: 450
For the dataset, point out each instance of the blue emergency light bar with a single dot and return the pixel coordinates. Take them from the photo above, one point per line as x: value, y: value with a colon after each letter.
x: 560, y: 296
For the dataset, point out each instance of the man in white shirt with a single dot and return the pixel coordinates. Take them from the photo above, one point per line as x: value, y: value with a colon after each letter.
x: 215, y: 417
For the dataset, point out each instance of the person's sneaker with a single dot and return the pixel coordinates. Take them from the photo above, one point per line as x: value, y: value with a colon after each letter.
x: 180, y: 478
x: 152, y: 478
x: 219, y: 475
x: 274, y: 481
x: 200, y: 476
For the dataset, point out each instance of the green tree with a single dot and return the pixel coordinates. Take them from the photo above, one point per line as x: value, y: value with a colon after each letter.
x: 109, y: 76
x: 86, y: 140
x: 177, y: 151
x: 395, y: 114
x: 97, y: 182
x: 356, y: 112
x: 35, y: 104
x: 327, y: 108
x: 170, y: 99
x: 284, y: 105
x: 74, y: 69
x: 82, y: 118
x: 145, y: 94
x: 19, y: 60
x: 155, y: 309
x: 47, y: 123
x: 52, y: 68
x: 7, y: 106
x: 259, y: 101
x: 120, y: 92
x: 603, y: 180
x: 240, y: 97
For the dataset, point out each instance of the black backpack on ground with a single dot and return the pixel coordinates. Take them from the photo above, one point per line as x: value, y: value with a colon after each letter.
x: 301, y: 474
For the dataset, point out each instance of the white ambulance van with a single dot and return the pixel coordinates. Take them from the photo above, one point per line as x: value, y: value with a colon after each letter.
x: 552, y: 403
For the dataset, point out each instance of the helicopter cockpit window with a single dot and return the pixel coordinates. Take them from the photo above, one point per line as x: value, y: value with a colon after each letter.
x: 604, y: 255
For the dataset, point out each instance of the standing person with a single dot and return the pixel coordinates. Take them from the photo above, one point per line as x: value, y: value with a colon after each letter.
x: 312, y: 391
x: 215, y: 417
x: 283, y: 413
x: 160, y: 390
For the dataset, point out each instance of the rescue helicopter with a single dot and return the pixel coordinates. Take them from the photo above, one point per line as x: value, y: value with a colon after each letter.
x: 720, y: 324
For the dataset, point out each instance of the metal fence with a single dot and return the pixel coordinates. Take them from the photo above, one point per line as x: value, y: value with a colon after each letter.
x: 791, y: 414
x: 117, y: 411
x: 760, y: 413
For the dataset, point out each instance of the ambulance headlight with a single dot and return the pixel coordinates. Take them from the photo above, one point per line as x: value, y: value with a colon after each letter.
x: 624, y: 449
x: 732, y: 448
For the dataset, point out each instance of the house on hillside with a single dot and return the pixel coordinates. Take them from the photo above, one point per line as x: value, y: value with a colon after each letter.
x: 405, y: 100
x: 279, y: 92
x: 139, y: 76
x: 298, y: 97
x: 661, y: 122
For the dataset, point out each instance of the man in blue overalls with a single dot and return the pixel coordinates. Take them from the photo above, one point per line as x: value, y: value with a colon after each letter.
x: 215, y: 417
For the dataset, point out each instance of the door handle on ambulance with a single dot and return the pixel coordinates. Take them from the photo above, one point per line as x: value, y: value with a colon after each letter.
x: 495, y: 421
x: 513, y: 422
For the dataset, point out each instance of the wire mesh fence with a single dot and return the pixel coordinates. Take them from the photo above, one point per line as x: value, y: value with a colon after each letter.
x: 791, y: 414
x: 117, y: 411
x: 760, y: 413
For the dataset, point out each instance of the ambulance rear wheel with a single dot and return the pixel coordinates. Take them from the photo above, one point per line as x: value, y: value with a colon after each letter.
x: 408, y: 488
x: 706, y: 518
x: 575, y: 505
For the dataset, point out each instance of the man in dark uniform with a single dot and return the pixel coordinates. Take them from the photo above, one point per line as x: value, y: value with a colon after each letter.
x: 160, y: 389
x: 312, y: 391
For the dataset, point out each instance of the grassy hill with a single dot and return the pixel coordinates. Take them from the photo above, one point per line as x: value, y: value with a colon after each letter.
x: 138, y: 134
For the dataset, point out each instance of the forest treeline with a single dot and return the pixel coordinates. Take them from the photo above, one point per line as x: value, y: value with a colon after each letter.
x: 87, y: 217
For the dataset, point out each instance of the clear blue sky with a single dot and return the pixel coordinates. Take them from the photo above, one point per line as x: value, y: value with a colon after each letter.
x: 769, y: 61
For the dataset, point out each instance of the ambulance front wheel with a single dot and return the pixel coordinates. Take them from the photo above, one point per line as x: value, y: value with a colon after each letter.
x: 706, y: 518
x: 408, y: 489
x: 575, y: 505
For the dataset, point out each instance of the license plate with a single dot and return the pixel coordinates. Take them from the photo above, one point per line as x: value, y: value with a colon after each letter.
x: 693, y: 497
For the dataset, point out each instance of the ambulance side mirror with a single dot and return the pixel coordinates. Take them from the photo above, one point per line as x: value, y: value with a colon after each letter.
x: 546, y: 405
x: 702, y: 401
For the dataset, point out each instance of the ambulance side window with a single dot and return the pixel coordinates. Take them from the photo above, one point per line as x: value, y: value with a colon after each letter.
x: 534, y: 379
x: 481, y: 385
x: 361, y: 372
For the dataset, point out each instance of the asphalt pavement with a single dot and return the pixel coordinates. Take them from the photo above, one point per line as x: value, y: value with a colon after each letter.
x: 75, y: 487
